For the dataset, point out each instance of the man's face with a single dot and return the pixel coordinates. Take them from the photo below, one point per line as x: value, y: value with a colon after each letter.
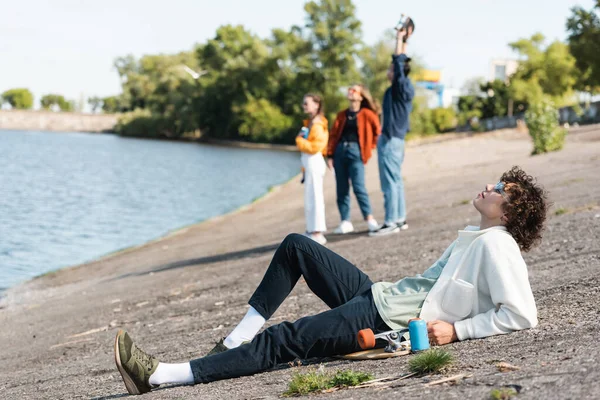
x: 491, y: 200
x: 390, y: 73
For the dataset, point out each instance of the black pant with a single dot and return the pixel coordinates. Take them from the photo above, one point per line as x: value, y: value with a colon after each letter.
x: 337, y: 282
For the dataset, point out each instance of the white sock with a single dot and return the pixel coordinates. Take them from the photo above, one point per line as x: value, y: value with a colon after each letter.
x: 246, y: 329
x: 172, y: 373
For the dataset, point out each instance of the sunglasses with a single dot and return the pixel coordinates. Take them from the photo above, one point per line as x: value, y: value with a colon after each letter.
x: 499, y: 188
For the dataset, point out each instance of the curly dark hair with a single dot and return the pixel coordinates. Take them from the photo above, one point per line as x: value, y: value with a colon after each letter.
x: 525, y: 209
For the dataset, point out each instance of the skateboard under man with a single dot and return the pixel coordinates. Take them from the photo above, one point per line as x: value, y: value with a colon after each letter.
x: 367, y: 340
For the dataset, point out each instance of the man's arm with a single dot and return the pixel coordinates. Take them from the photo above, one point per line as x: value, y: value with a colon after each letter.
x: 400, y: 42
x: 316, y: 142
x: 508, y: 284
x: 510, y: 291
x: 402, y: 88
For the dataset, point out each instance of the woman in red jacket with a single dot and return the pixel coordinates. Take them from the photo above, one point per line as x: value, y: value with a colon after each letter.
x: 351, y: 141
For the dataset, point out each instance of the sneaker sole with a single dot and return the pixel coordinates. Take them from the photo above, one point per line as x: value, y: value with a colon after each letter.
x: 375, y: 234
x: 342, y: 233
x: 129, y: 384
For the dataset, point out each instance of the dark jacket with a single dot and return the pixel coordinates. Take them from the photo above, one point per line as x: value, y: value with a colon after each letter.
x: 397, y: 101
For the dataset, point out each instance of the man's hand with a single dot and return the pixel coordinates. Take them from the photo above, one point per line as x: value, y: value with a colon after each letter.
x: 400, y: 34
x: 330, y: 163
x: 441, y: 332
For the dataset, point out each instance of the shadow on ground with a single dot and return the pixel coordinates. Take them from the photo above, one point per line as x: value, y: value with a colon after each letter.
x: 234, y: 255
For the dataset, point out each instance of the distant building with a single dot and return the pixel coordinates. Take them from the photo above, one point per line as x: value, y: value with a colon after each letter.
x: 502, y: 69
x: 429, y: 85
x: 447, y: 98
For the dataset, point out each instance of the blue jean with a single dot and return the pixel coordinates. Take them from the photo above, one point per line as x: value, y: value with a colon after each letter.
x: 349, y: 167
x: 390, y: 155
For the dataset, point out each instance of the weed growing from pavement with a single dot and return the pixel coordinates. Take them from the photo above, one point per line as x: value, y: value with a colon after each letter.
x: 561, y: 211
x: 503, y: 394
x: 316, y: 381
x: 430, y: 361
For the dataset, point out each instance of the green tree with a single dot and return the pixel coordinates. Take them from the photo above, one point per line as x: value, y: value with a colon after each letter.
x: 548, y: 71
x: 95, y: 103
x: 252, y: 88
x: 114, y: 104
x: 542, y: 122
x: 20, y: 98
x: 56, y: 100
x: 444, y: 119
x: 335, y: 34
x: 375, y: 63
x: 472, y: 86
x: 240, y: 68
x: 492, y: 99
x: 296, y: 74
x: 496, y: 99
x: 584, y: 42
x: 263, y: 121
x: 421, y: 118
x: 469, y: 109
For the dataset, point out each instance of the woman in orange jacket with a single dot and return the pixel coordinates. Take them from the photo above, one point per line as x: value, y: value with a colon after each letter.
x: 352, y: 139
x: 312, y: 142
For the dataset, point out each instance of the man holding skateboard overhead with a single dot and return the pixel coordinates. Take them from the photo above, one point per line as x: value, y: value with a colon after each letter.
x: 397, y: 105
x: 479, y: 287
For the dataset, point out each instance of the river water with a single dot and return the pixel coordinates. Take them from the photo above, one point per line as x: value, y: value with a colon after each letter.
x: 68, y: 198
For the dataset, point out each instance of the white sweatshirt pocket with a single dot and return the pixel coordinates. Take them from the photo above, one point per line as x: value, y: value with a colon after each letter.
x: 458, y: 298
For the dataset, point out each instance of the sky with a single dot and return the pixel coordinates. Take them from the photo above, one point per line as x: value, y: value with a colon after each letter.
x: 68, y: 46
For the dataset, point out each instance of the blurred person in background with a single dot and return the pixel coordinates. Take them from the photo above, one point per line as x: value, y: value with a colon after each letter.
x: 352, y: 139
x: 312, y: 142
x: 397, y: 105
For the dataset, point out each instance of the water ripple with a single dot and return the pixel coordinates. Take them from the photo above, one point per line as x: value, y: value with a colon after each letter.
x: 69, y: 198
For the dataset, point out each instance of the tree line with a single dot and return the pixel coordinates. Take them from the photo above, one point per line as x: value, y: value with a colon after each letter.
x: 242, y: 87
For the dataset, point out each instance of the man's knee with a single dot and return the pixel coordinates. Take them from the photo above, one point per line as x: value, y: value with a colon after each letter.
x: 293, y: 238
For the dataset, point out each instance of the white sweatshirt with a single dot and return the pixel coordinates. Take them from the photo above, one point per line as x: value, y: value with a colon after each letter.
x: 484, y: 288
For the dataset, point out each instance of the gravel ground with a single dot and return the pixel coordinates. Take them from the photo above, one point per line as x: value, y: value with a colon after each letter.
x: 178, y: 295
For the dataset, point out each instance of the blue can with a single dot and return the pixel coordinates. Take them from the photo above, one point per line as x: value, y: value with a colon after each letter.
x: 419, y: 340
x: 305, y: 131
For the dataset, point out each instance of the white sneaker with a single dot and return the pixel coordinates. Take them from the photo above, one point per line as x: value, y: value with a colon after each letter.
x: 345, y: 227
x: 402, y: 224
x: 373, y: 225
x: 386, y: 229
x: 318, y: 237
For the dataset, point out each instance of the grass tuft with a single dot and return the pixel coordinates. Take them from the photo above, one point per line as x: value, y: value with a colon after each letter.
x: 561, y: 211
x: 302, y: 384
x: 430, y: 361
x: 309, y: 382
x: 503, y: 394
x: 349, y: 378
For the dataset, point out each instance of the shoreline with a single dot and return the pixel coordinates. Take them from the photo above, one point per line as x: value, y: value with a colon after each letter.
x: 167, y: 235
x: 410, y: 140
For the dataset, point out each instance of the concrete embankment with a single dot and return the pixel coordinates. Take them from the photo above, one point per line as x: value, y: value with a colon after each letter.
x: 34, y: 120
x: 177, y: 296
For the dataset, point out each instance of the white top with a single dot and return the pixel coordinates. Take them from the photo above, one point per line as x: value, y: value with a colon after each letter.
x: 484, y: 287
